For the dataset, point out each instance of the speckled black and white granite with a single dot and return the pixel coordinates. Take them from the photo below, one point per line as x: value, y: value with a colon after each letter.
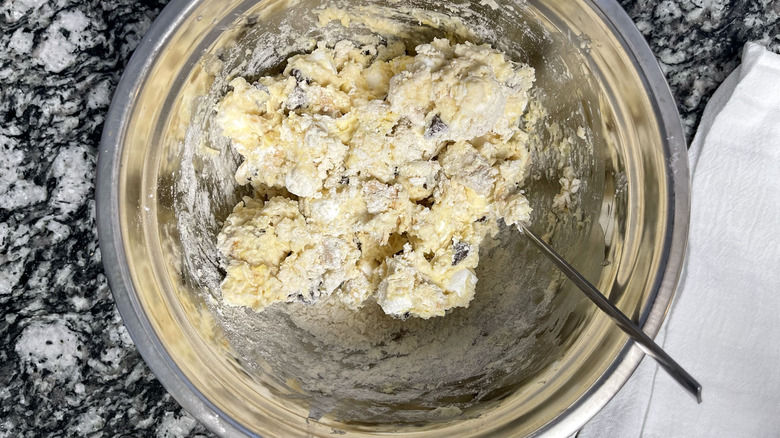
x: 699, y: 42
x: 68, y: 367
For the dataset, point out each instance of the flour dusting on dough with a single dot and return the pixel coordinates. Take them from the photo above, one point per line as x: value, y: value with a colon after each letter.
x: 377, y: 174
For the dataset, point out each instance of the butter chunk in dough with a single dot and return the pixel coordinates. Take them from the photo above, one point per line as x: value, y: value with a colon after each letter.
x: 377, y: 175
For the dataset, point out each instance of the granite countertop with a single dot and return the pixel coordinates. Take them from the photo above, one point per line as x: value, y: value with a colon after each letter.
x: 69, y: 367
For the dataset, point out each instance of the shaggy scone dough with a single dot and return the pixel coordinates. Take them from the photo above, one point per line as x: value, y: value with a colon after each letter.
x: 377, y: 175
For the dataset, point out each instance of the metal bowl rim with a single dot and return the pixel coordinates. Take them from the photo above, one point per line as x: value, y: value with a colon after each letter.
x: 191, y: 399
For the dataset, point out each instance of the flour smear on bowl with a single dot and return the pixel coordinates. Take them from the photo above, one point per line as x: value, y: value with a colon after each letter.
x: 349, y: 195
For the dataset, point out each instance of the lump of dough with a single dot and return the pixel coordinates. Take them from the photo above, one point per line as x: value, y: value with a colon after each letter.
x: 377, y: 175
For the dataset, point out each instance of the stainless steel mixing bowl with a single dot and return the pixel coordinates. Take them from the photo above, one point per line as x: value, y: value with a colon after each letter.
x: 530, y: 356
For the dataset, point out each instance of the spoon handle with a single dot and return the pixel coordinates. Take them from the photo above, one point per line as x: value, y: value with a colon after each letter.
x: 643, y: 341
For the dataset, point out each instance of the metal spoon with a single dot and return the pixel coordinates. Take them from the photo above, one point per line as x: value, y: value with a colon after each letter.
x: 643, y: 341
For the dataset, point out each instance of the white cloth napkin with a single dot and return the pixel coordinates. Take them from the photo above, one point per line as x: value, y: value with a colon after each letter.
x: 724, y: 325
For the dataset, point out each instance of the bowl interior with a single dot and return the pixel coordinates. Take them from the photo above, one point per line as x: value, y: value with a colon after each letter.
x: 526, y: 352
